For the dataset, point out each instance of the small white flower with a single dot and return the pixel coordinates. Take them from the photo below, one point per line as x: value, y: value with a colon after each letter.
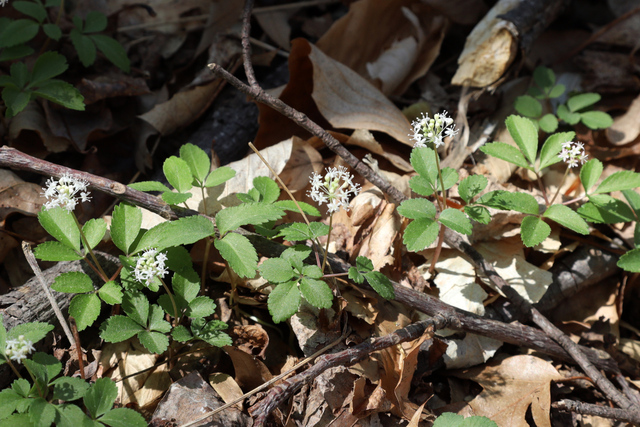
x: 334, y: 189
x: 150, y: 265
x: 572, y: 153
x: 18, y: 349
x: 432, y: 131
x: 65, y: 192
x: 3, y: 2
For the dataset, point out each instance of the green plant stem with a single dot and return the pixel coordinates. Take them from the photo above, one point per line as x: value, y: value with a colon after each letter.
x: 335, y: 275
x: 13, y: 368
x: 566, y: 173
x: 436, y: 253
x: 577, y: 199
x: 57, y: 23
x: 103, y: 275
x: 205, y: 261
x: 173, y: 302
x: 542, y: 189
x: 33, y: 378
x: 326, y: 249
x: 444, y: 192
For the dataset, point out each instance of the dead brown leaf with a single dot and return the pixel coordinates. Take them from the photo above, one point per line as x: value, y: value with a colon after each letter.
x: 512, y: 385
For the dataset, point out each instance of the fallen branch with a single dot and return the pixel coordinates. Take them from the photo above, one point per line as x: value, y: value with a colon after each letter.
x: 617, y: 414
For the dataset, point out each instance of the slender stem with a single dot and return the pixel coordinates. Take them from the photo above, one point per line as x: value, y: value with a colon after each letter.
x: 566, y: 173
x: 335, y: 275
x: 173, y: 302
x: 444, y: 192
x: 542, y: 189
x: 205, y: 260
x: 102, y: 274
x: 436, y: 253
x: 46, y: 43
x: 13, y: 368
x: 33, y: 378
x: 78, y: 346
x: 326, y: 249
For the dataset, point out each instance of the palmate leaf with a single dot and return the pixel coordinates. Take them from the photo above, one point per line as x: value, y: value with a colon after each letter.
x: 178, y: 173
x: 119, y: 328
x: 423, y: 161
x: 455, y: 220
x: 420, y: 234
x: 55, y: 251
x: 267, y: 189
x: 471, y: 186
x: 478, y: 213
x: 197, y: 159
x: 525, y: 134
x: 94, y: 230
x: 238, y: 251
x: 125, y: 226
x: 234, y: 217
x: 60, y: 224
x: 533, y: 231
x: 568, y: 218
x: 316, y: 292
x: 155, y: 342
x: 100, y: 397
x: 417, y: 208
x: 73, y: 282
x: 276, y: 270
x: 590, y: 173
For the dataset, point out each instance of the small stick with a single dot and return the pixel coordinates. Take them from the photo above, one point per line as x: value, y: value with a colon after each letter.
x: 78, y: 346
x: 31, y: 259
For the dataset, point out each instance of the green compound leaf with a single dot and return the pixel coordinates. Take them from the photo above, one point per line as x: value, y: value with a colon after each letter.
x: 267, y: 188
x: 112, y: 50
x: 471, y: 186
x: 125, y: 226
x: 123, y: 417
x: 73, y: 282
x: 528, y: 106
x: 557, y: 91
x: 552, y: 147
x: 136, y: 306
x: 201, y: 307
x: 417, y: 208
x: 568, y: 218
x: 100, y: 397
x: 590, y: 173
x: 119, y: 328
x: 449, y: 178
x: 48, y: 65
x: 289, y: 205
x: 20, y: 51
x: 149, y: 186
x: 156, y: 320
x: 94, y: 230
x: 183, y: 231
x: 32, y: 331
x: 548, y: 123
x: 312, y: 271
x: 234, y: 217
x: 60, y: 224
x: 181, y: 333
x: 155, y: 342
x: 449, y: 419
x: 85, y: 308
x: 44, y: 367
x: 69, y: 415
x: 633, y: 199
x: 623, y: 180
x: 316, y: 292
x: 596, y: 119
x: 478, y: 213
x: 364, y: 264
x: 630, y: 261
x: 455, y: 220
x: 567, y: 116
x: 9, y: 401
x: 175, y: 198
x: 238, y: 251
x: 18, y: 32
x: 61, y: 93
x: 421, y: 186
x: 197, y: 159
x: 276, y: 270
x: 505, y: 200
x: 578, y: 102
x: 420, y: 234
x: 211, y: 332
x: 95, y: 22
x: 84, y: 46
x: 505, y: 152
x: 298, y: 231
x: 355, y: 275
x: 32, y: 9
x: 111, y: 293
x: 544, y: 78
x: 525, y: 134
x: 381, y: 284
x: 603, y: 208
x: 423, y: 160
x: 186, y: 286
x: 69, y: 388
x: 178, y: 173
x: 284, y: 301
x: 219, y: 176
x: 533, y: 231
x: 41, y: 411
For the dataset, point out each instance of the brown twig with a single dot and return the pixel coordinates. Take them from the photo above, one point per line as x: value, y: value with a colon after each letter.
x: 347, y: 357
x: 567, y: 405
x: 78, y: 346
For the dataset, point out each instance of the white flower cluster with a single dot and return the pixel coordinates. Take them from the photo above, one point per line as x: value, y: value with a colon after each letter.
x: 334, y: 189
x: 150, y: 265
x: 432, y: 131
x: 572, y: 153
x: 18, y: 350
x: 3, y: 2
x: 66, y: 192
